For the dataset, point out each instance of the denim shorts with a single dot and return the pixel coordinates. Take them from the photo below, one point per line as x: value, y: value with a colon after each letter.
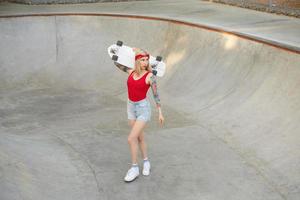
x: 139, y: 110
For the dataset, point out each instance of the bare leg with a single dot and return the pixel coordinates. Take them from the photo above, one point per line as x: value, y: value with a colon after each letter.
x: 135, y: 132
x: 141, y: 140
x: 143, y: 145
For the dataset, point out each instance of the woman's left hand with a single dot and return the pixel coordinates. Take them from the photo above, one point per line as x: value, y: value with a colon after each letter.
x: 161, y: 119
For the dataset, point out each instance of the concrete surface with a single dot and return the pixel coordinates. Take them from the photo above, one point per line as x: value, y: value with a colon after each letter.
x: 286, y: 7
x: 232, y: 109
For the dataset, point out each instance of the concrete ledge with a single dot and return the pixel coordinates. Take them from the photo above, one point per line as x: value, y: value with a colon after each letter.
x: 38, y: 2
x: 280, y: 31
x: 285, y: 7
x: 283, y: 46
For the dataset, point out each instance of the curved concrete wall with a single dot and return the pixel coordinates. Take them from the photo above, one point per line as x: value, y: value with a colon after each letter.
x: 243, y: 92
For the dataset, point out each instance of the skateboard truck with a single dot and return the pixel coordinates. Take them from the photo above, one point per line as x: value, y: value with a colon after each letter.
x: 157, y: 60
x: 115, y: 57
x: 113, y: 51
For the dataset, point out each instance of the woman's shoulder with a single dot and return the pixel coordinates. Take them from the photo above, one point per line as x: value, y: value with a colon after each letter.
x: 148, y: 78
x: 150, y: 74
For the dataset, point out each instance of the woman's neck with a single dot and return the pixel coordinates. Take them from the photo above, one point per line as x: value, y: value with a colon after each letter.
x: 140, y: 72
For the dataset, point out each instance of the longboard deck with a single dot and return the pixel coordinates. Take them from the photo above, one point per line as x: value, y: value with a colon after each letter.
x: 125, y: 55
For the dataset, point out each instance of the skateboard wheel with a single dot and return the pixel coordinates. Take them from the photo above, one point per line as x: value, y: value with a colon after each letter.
x: 114, y: 57
x: 154, y: 72
x: 158, y: 58
x: 119, y: 43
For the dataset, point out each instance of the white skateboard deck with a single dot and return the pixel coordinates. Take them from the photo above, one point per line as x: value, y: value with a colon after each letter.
x: 125, y: 55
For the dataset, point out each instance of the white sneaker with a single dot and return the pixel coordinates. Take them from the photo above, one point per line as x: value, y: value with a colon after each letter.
x: 146, y: 168
x: 132, y: 174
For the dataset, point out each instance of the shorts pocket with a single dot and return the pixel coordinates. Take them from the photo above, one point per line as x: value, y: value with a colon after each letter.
x: 144, y: 104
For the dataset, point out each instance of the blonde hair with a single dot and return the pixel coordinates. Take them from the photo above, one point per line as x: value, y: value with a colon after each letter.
x: 138, y: 63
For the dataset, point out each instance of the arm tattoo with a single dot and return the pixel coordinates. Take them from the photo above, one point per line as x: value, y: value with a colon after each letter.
x: 121, y: 67
x: 154, y: 90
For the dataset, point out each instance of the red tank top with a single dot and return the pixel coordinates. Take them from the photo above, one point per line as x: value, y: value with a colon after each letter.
x: 137, y: 89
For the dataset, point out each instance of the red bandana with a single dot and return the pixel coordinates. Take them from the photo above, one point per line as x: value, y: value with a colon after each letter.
x: 139, y: 56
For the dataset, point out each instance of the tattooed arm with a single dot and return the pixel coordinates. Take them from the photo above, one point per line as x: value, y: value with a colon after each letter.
x: 123, y: 68
x: 153, y: 84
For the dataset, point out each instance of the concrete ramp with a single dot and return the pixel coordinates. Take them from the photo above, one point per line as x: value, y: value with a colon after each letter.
x: 232, y: 109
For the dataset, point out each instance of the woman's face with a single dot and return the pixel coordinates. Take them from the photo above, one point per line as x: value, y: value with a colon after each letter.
x: 144, y: 62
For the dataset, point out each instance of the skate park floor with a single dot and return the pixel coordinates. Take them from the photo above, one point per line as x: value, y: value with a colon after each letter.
x: 230, y: 97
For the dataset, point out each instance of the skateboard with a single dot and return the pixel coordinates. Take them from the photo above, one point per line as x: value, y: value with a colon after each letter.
x: 125, y: 55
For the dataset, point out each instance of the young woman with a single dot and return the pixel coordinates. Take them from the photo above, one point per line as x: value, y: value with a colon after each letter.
x: 140, y: 79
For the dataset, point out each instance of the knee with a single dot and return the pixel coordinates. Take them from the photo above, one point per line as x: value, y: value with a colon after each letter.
x: 132, y: 139
x: 141, y: 139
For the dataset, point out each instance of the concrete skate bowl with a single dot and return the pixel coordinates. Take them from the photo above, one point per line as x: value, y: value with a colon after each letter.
x: 232, y: 109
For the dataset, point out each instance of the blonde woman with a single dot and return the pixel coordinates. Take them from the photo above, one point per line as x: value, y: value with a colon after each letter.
x: 140, y: 79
